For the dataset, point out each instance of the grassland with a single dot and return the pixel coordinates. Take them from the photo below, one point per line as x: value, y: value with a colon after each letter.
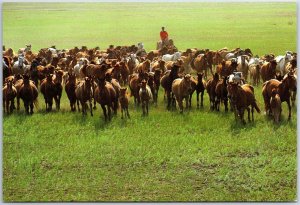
x: 198, y: 156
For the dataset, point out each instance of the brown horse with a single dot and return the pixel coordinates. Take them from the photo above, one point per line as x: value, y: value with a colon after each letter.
x: 57, y: 79
x: 226, y: 68
x: 105, y: 95
x: 48, y: 91
x: 124, y: 101
x: 134, y: 85
x: 221, y: 93
x: 254, y: 71
x: 9, y: 93
x: 145, y: 95
x: 242, y: 97
x: 199, y: 86
x: 275, y: 105
x: 181, y: 88
x: 7, y: 71
x: 166, y: 82
x: 268, y: 70
x: 199, y: 63
x: 84, y: 93
x: 211, y: 90
x: 28, y: 93
x: 70, y: 90
x: 288, y: 84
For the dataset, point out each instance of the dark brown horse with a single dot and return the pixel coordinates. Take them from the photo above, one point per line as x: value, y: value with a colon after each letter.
x: 199, y: 86
x: 105, y: 95
x: 284, y: 87
x: 7, y: 71
x: 70, y: 90
x: 221, y: 93
x: 211, y: 90
x: 48, y: 91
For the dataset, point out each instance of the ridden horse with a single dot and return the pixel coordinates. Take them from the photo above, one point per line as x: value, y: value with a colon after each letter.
x: 284, y: 87
x: 9, y: 93
x: 70, y: 90
x: 145, y: 95
x: 211, y: 90
x: 105, y: 95
x: 28, y: 93
x: 242, y: 97
x: 199, y: 86
x: 181, y: 88
x: 84, y: 93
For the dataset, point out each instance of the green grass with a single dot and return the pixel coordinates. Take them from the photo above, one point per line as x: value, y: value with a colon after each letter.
x: 197, y: 156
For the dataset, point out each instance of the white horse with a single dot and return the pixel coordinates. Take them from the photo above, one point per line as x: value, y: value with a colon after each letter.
x: 255, y: 61
x: 78, y: 66
x: 173, y: 57
x: 282, y: 61
x: 19, y: 67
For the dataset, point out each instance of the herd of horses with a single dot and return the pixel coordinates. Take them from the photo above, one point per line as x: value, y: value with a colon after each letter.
x: 91, y: 76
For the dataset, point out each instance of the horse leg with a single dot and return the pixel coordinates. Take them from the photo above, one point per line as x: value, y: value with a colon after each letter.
x: 26, y: 107
x: 252, y: 111
x: 109, y: 112
x: 91, y: 107
x: 169, y: 99
x: 147, y: 107
x: 122, y: 113
x: 31, y: 107
x: 198, y: 99
x: 248, y: 110
x: 12, y: 103
x: 7, y: 106
x: 77, y: 101
x: 226, y: 104
x: 289, y: 105
x: 104, y: 111
x: 241, y: 113
x: 186, y: 102
x: 143, y: 108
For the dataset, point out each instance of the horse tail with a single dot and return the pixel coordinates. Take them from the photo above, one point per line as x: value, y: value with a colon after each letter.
x: 256, y: 107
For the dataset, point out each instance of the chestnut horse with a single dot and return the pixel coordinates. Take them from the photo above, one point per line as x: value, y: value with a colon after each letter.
x: 70, y: 90
x: 105, y: 95
x: 284, y: 87
x: 84, y: 93
x: 211, y: 90
x: 9, y: 94
x: 242, y: 97
x: 199, y: 86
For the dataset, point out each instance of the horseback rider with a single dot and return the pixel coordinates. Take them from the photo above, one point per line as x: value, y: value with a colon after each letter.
x: 164, y: 36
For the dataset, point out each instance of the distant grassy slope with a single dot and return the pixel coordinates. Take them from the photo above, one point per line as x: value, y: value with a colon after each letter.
x: 263, y: 27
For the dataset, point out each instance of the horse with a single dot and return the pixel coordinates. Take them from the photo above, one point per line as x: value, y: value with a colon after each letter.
x: 254, y: 70
x: 105, y: 95
x: 242, y: 97
x: 145, y: 95
x: 181, y: 88
x: 9, y: 93
x: 268, y: 70
x: 132, y: 62
x: 134, y: 85
x: 167, y: 80
x: 199, y: 63
x: 57, y: 79
x: 124, y: 101
x: 284, y: 87
x: 243, y: 66
x: 211, y: 90
x: 282, y: 61
x: 28, y: 92
x: 70, y: 88
x: 275, y: 105
x: 7, y: 71
x: 20, y: 66
x: 222, y: 93
x: 83, y: 94
x: 48, y: 91
x: 199, y: 86
x: 173, y: 57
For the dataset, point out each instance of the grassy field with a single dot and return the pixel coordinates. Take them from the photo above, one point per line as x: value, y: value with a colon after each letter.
x: 197, y: 156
